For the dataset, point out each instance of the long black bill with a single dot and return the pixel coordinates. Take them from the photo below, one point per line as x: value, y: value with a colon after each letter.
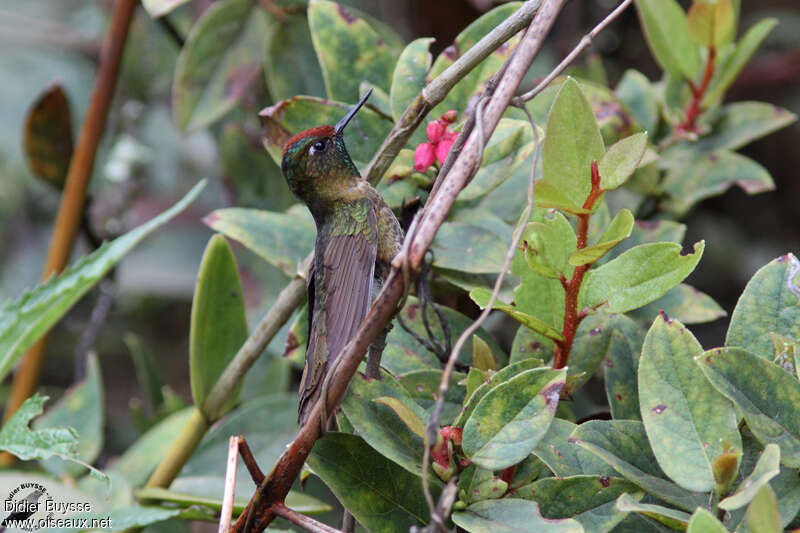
x: 350, y: 114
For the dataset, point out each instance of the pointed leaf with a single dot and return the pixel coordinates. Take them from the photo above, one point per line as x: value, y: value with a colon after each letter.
x: 219, y: 323
x: 409, y: 417
x: 509, y: 421
x: 381, y: 495
x: 409, y: 74
x: 683, y: 302
x: 159, y: 8
x: 481, y: 297
x: 667, y: 34
x: 686, y: 419
x: 47, y: 136
x: 671, y: 518
x: 82, y: 410
x: 24, y: 320
x: 572, y: 141
x: 620, y: 160
x: 290, y: 63
x: 219, y: 62
x: 766, y: 394
x: 766, y: 468
x: 349, y: 51
x: 623, y: 444
x: 638, y: 276
x: 769, y: 304
x: 702, y: 521
x: 711, y: 24
x: 510, y: 514
x: 617, y: 231
x: 762, y: 514
x: 282, y: 239
x: 739, y: 124
x: 482, y: 358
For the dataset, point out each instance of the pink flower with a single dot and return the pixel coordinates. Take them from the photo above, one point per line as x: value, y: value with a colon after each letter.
x: 443, y: 148
x: 423, y: 157
x: 435, y: 130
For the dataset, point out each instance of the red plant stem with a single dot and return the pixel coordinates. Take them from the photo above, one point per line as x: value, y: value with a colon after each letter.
x: 693, y: 110
x: 572, y: 318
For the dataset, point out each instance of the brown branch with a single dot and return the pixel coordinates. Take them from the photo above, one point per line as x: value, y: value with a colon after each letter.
x: 689, y: 125
x: 277, y: 484
x: 74, y: 195
x: 249, y: 461
x: 306, y: 522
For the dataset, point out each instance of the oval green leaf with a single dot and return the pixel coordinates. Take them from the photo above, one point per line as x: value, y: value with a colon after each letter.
x: 617, y: 231
x: 409, y: 74
x: 621, y: 159
x: 667, y: 34
x: 511, y: 514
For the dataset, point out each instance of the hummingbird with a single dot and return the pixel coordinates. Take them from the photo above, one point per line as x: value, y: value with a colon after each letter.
x: 357, y: 238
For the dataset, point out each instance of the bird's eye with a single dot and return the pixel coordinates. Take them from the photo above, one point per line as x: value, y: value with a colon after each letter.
x: 318, y: 146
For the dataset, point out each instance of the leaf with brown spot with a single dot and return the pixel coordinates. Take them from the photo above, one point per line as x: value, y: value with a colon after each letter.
x: 47, y: 136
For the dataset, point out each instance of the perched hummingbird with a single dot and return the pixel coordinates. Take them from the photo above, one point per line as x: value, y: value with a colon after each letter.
x: 357, y: 237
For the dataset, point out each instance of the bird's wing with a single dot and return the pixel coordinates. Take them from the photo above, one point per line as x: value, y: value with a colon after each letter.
x: 339, y: 297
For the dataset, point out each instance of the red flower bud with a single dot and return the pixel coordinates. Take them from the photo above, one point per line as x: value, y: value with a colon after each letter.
x: 423, y: 157
x: 450, y: 116
x: 435, y: 130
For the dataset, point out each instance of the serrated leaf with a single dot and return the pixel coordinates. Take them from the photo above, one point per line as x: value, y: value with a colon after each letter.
x: 378, y: 422
x: 620, y: 160
x: 702, y: 521
x: 686, y: 419
x: 19, y: 440
x: 290, y: 63
x: 82, y: 410
x: 588, y: 499
x: 683, y: 302
x: 381, y: 495
x: 218, y: 324
x: 767, y: 467
x: 638, y: 276
x: 47, y: 136
x: 665, y: 28
x: 481, y: 297
x: 617, y: 231
x: 511, y: 514
x: 770, y: 303
x: 282, y: 239
x: 508, y: 422
x: 409, y: 74
x: 673, y: 519
x: 349, y: 51
x: 766, y: 394
x: 730, y: 67
x: 219, y: 62
x: 572, y: 142
x: 711, y: 24
x: 762, y: 514
x: 623, y: 444
x: 24, y: 320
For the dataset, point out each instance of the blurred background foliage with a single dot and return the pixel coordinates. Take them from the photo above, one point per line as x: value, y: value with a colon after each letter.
x: 145, y: 163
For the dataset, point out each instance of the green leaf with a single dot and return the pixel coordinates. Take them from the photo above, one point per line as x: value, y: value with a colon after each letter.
x: 379, y: 424
x: 587, y: 499
x: 683, y: 302
x: 711, y: 24
x: 460, y: 94
x: 769, y: 304
x: 159, y: 8
x: 423, y: 386
x: 148, y: 376
x: 290, y: 63
x: 686, y: 419
x: 219, y: 62
x: 17, y: 439
x: 480, y: 484
x: 620, y: 160
x: 638, y: 276
x: 483, y: 253
x: 381, y: 495
x: 762, y: 514
x: 409, y: 74
x: 705, y: 175
x: 767, y: 467
x: 24, y: 320
x: 564, y: 457
x: 47, y: 136
x: 509, y: 515
x: 508, y: 422
x: 281, y: 239
x: 702, y: 521
x: 671, y: 518
x: 219, y: 323
x: 409, y: 417
x: 623, y: 444
x: 635, y: 91
x: 481, y: 297
x: 766, y: 394
x: 730, y: 67
x: 620, y: 367
x: 572, y: 142
x: 349, y: 51
x: 548, y: 244
x: 82, y: 410
x: 286, y: 118
x: 528, y: 344
x: 482, y: 358
x: 647, y: 231
x: 617, y: 231
x: 667, y: 34
x: 495, y: 379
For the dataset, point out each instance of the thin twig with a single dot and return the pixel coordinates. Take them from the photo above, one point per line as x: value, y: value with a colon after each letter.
x: 306, y: 522
x: 580, y: 47
x: 230, y: 485
x: 249, y: 461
